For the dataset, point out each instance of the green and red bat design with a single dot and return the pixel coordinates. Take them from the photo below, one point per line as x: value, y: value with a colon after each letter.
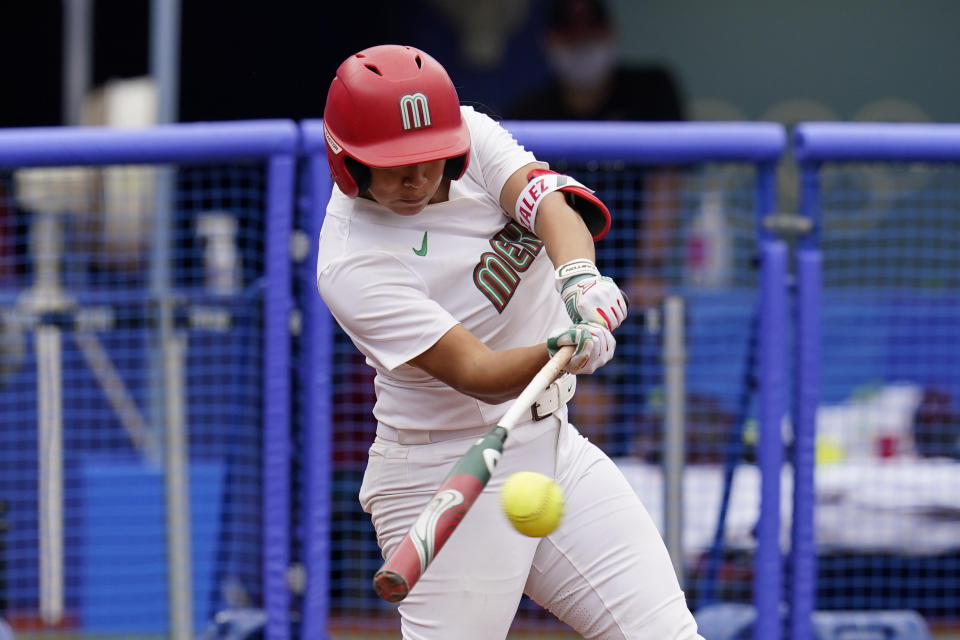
x: 457, y: 493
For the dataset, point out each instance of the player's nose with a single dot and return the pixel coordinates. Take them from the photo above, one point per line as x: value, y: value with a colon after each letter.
x: 415, y: 175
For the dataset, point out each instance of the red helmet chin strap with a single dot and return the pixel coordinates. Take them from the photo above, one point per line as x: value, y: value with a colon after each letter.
x: 390, y: 106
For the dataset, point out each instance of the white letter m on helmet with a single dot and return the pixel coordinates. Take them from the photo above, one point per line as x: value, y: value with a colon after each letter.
x: 415, y: 111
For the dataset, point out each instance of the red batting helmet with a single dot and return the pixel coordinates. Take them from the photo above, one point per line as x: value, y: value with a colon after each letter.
x: 391, y: 106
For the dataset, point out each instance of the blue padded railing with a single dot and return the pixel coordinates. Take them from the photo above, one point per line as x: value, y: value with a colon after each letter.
x: 235, y: 386
x: 876, y: 314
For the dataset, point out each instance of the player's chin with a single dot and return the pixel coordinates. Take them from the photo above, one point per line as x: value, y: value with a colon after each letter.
x: 409, y: 207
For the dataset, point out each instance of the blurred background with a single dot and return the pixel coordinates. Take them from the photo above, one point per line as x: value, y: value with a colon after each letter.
x: 888, y: 449
x: 748, y: 60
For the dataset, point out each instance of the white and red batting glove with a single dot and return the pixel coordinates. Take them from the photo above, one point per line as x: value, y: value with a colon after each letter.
x: 593, y: 346
x: 590, y: 297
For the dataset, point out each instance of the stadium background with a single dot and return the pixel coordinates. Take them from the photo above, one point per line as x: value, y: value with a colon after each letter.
x: 751, y: 63
x: 749, y: 60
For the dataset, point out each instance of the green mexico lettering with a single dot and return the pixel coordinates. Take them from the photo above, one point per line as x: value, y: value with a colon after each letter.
x: 497, y: 275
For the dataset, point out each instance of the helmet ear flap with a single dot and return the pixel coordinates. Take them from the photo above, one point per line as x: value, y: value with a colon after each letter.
x: 359, y: 172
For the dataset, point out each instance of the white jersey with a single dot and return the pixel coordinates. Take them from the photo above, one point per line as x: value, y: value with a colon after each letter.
x: 397, y: 284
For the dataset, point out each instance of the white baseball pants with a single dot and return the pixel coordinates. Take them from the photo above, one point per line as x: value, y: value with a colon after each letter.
x: 605, y: 571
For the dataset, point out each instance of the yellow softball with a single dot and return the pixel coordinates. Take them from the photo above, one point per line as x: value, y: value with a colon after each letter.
x: 533, y: 503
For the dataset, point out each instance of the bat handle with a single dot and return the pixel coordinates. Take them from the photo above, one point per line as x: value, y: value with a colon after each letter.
x: 550, y: 372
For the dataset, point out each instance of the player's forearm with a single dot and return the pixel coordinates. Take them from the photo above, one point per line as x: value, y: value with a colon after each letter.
x: 461, y: 361
x: 464, y: 363
x: 498, y: 376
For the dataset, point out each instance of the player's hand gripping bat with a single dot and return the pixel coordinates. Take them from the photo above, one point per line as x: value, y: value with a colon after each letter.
x: 458, y: 492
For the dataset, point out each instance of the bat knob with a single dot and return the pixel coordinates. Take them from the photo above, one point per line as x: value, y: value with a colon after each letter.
x: 390, y: 585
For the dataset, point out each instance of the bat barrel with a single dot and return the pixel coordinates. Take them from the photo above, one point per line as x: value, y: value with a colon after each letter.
x: 439, y: 518
x: 456, y: 495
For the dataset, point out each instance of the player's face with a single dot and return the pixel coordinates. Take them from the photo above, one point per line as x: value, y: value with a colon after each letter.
x: 407, y: 190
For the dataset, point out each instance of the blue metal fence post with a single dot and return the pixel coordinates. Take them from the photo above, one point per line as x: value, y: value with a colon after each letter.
x: 806, y: 398
x: 771, y: 380
x: 278, y: 302
x: 317, y: 424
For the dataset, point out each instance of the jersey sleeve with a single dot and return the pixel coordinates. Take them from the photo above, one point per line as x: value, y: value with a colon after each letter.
x: 384, y: 307
x: 497, y: 155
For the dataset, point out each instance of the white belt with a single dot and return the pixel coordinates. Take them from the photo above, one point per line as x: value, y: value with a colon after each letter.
x: 555, y: 396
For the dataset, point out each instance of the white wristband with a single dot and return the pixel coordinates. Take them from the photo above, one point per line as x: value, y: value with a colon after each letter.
x: 525, y: 210
x: 580, y: 266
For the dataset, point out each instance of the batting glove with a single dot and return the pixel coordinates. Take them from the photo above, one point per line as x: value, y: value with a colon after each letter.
x: 590, y: 297
x: 593, y: 346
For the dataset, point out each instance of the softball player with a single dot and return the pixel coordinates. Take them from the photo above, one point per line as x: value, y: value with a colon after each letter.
x: 457, y: 265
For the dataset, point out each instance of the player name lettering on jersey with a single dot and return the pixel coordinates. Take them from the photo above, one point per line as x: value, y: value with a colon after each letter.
x: 498, y: 272
x: 528, y: 201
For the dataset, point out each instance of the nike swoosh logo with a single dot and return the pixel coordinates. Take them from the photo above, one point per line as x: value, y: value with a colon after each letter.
x: 422, y: 251
x: 424, y: 531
